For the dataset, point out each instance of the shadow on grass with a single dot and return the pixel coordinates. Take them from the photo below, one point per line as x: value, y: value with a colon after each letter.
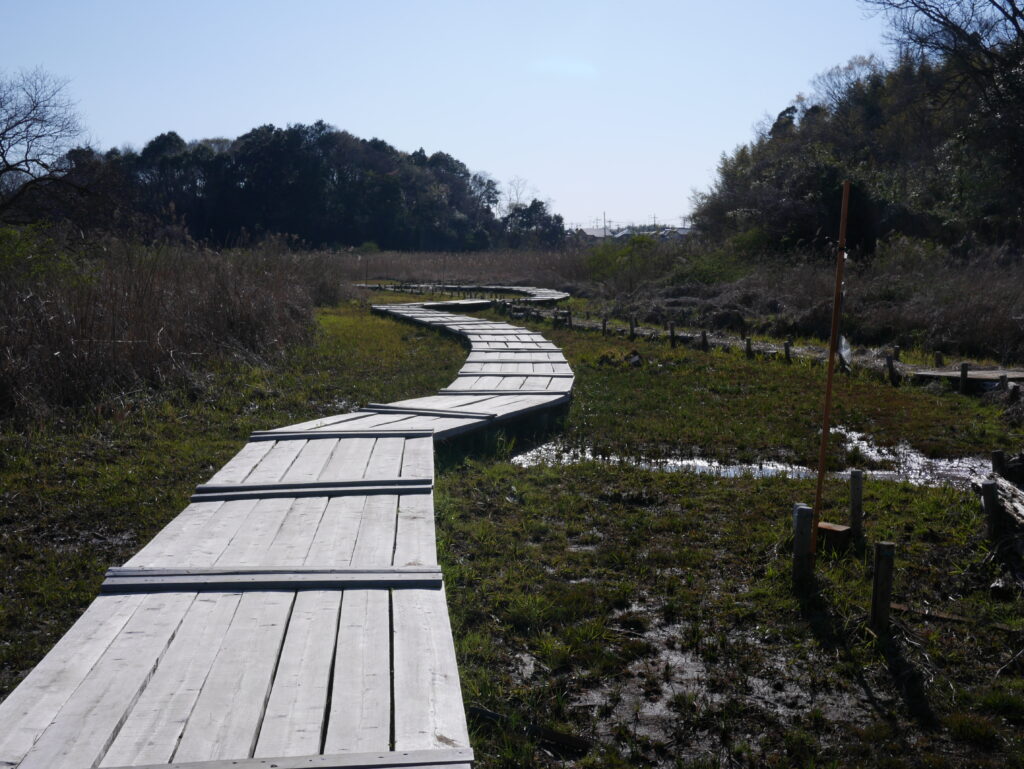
x: 834, y: 636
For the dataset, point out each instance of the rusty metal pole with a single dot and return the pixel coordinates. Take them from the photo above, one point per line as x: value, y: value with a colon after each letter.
x: 832, y: 346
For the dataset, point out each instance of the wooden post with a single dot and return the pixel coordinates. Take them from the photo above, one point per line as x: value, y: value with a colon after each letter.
x: 939, y: 360
x: 803, y: 558
x: 704, y: 340
x: 896, y: 352
x: 787, y: 346
x: 999, y: 462
x: 894, y: 377
x: 857, y: 504
x: 1004, y: 383
x: 964, y: 368
x: 604, y: 326
x: 881, y: 587
x: 672, y: 334
x: 632, y: 326
x: 750, y: 349
x: 568, y: 317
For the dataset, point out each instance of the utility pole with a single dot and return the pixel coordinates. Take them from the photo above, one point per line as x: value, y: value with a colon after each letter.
x: 604, y: 217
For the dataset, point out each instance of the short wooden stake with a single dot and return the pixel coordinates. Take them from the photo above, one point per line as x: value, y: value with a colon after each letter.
x: 993, y: 509
x: 881, y: 587
x: 857, y: 504
x: 604, y: 326
x: 704, y: 341
x: 632, y: 327
x: 750, y: 349
x: 940, y: 361
x: 1004, y: 383
x: 894, y: 377
x: 896, y: 352
x: 568, y: 318
x: 999, y: 462
x: 964, y: 368
x: 803, y: 558
x: 787, y: 347
x: 672, y: 334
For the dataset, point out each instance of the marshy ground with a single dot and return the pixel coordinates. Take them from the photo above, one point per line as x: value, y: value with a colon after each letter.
x: 648, y: 615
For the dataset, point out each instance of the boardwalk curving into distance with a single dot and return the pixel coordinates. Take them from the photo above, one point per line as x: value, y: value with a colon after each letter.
x: 294, y: 614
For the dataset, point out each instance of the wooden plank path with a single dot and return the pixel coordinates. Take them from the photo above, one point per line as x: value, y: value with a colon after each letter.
x: 293, y: 615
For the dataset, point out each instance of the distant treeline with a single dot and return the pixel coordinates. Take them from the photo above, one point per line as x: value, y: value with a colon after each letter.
x: 314, y: 183
x: 933, y: 143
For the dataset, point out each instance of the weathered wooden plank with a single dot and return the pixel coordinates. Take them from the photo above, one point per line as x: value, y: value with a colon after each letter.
x: 418, y: 458
x: 360, y: 714
x: 428, y: 708
x: 189, y: 524
x: 150, y: 733
x: 375, y: 542
x: 309, y: 462
x: 30, y: 708
x: 297, y: 705
x: 88, y: 722
x: 406, y: 759
x: 326, y: 434
x: 415, y: 539
x: 388, y: 408
x: 335, y: 537
x: 252, y: 538
x: 316, y: 489
x: 275, y: 463
x: 350, y: 458
x: 263, y: 582
x: 386, y: 458
x: 198, y: 545
x: 226, y: 718
x: 292, y: 541
x: 239, y: 466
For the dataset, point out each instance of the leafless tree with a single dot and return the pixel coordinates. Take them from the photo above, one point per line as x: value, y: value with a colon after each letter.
x: 38, y: 125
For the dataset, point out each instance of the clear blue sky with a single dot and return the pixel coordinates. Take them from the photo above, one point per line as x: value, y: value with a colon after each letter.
x: 621, y: 107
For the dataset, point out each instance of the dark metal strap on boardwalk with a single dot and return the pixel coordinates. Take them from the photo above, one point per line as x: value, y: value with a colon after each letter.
x: 386, y: 408
x: 382, y: 760
x: 364, y: 486
x: 310, y: 435
x: 492, y: 393
x: 555, y: 374
x: 142, y: 580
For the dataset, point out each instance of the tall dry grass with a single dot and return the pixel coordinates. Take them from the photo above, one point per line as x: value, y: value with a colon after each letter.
x: 552, y: 269
x: 116, y: 316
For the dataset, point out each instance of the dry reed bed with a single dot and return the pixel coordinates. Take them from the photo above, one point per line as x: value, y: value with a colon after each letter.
x: 118, y: 316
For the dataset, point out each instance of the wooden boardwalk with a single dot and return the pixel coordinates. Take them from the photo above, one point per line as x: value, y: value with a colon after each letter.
x: 294, y: 614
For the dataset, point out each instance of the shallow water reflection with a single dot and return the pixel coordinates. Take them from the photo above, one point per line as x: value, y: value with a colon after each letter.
x: 903, y: 463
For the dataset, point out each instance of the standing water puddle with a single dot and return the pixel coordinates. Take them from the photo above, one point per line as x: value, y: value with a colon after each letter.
x: 905, y: 463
